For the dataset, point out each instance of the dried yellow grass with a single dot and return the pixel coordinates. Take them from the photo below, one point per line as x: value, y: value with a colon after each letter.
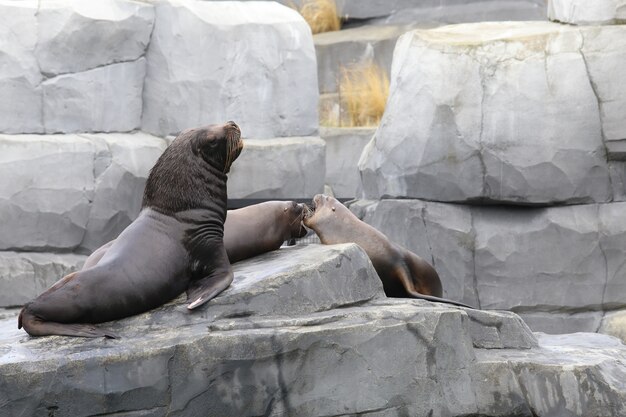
x: 363, y: 91
x: 321, y: 15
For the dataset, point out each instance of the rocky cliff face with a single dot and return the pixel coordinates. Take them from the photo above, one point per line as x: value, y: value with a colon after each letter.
x: 307, y: 331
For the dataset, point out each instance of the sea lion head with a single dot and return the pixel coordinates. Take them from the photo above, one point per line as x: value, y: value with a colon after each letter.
x: 325, y: 208
x: 219, y: 145
x: 295, y: 214
x: 192, y: 170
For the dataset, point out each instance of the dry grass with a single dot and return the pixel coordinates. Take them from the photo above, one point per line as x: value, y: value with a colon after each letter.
x: 363, y: 91
x: 321, y: 15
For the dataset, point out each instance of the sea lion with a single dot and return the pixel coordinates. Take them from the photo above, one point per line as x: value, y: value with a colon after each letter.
x: 403, y: 273
x: 175, y: 244
x: 248, y: 231
x: 260, y: 228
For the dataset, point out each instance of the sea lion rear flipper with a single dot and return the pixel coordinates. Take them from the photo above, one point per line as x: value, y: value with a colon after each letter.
x: 202, y: 290
x: 37, y: 327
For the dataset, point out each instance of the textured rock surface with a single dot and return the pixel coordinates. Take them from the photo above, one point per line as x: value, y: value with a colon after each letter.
x: 580, y: 12
x: 20, y: 106
x: 105, y: 99
x: 23, y: 276
x: 72, y: 66
x: 275, y: 344
x: 75, y: 36
x: 560, y: 267
x: 279, y: 168
x: 614, y: 324
x: 64, y: 191
x: 255, y: 65
x: 467, y: 116
x: 343, y: 148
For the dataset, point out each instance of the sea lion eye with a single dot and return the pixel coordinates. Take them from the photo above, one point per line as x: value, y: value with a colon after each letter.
x: 333, y: 209
x: 285, y: 209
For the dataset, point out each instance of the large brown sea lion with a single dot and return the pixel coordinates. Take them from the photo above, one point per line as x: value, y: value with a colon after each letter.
x: 403, y: 273
x: 248, y: 231
x: 175, y: 244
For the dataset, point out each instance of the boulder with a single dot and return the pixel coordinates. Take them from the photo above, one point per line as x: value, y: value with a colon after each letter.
x: 343, y: 148
x: 121, y: 166
x: 297, y: 331
x: 25, y: 275
x: 580, y: 12
x: 558, y: 267
x: 479, y: 112
x: 48, y: 186
x: 253, y: 58
x: 78, y: 35
x: 104, y: 99
x: 68, y: 192
x: 278, y: 168
x: 20, y: 78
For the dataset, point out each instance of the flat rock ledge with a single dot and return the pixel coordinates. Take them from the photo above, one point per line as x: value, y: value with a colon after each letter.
x: 307, y: 331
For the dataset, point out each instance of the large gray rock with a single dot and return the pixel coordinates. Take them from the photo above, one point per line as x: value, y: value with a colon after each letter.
x: 278, y: 345
x: 20, y: 106
x: 508, y: 123
x: 48, y: 185
x: 104, y: 99
x: 343, y: 148
x: 64, y: 191
x: 74, y: 36
x: 255, y: 65
x: 25, y: 275
x: 580, y: 12
x: 121, y: 167
x: 558, y: 267
x: 96, y: 45
x: 279, y: 168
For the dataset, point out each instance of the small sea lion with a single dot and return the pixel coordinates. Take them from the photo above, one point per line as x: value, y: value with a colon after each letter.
x: 403, y: 273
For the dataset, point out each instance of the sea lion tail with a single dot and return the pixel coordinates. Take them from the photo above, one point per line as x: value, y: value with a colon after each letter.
x: 34, y: 326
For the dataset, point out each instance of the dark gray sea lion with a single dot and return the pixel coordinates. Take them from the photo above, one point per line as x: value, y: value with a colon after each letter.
x: 248, y: 231
x: 175, y: 244
x: 403, y: 273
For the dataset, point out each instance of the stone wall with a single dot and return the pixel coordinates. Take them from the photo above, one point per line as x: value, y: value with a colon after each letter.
x: 91, y: 91
x: 521, y: 126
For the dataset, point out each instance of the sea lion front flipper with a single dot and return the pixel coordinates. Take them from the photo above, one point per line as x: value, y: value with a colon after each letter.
x: 37, y: 327
x: 202, y: 290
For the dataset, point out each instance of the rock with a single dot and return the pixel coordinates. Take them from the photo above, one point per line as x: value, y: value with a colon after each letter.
x: 24, y: 275
x: 20, y: 106
x: 280, y: 345
x: 253, y: 59
x: 554, y: 322
x: 75, y: 36
x: 343, y: 147
x: 560, y: 268
x: 122, y: 164
x: 580, y: 12
x: 614, y: 324
x: 68, y: 191
x: 278, y: 168
x: 105, y: 99
x: 48, y: 186
x: 509, y: 124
